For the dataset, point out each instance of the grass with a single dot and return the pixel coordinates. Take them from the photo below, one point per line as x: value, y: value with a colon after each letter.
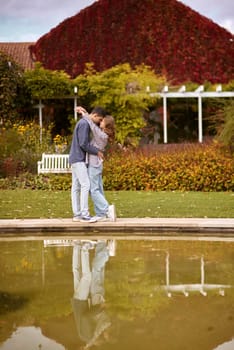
x: 49, y: 204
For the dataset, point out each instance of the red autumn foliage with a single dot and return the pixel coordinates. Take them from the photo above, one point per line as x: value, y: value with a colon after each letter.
x: 164, y: 34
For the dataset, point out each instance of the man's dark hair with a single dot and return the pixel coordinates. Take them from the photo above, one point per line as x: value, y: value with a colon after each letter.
x: 100, y: 111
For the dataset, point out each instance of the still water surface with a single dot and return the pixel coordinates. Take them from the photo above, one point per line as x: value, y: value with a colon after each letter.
x: 117, y: 294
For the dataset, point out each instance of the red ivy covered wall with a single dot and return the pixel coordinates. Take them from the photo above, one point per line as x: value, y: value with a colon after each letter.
x: 165, y: 34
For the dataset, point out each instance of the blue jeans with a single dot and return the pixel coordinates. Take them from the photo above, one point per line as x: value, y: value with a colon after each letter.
x: 80, y: 189
x: 81, y: 273
x: 98, y: 273
x: 86, y: 282
x: 96, y: 190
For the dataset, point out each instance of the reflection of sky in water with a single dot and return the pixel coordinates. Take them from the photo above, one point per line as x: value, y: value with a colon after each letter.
x: 28, y: 338
x: 226, y: 346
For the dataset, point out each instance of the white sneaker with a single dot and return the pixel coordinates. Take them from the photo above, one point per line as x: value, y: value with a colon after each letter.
x: 87, y: 245
x: 112, y: 212
x: 112, y: 247
x: 88, y: 219
x: 88, y: 241
x: 102, y: 218
x: 76, y: 218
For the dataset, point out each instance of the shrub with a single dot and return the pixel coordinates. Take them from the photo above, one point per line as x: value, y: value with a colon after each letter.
x: 12, y: 87
x: 173, y: 167
x: 21, y: 147
x: 227, y: 129
x: 50, y: 182
x: 9, y: 147
x: 222, y: 123
x: 187, y: 167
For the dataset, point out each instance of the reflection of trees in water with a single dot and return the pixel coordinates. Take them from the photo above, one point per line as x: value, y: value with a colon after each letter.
x: 11, y: 302
x: 129, y: 287
x: 39, y: 273
x: 136, y: 282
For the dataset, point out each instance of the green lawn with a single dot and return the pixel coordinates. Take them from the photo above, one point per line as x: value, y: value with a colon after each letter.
x: 45, y: 204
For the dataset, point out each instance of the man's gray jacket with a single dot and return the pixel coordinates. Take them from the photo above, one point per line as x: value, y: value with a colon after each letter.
x: 81, y: 143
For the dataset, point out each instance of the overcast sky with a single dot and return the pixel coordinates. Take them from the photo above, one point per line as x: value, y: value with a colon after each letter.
x: 28, y: 20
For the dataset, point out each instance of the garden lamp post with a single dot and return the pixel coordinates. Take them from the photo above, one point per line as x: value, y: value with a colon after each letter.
x: 40, y: 107
x: 75, y: 102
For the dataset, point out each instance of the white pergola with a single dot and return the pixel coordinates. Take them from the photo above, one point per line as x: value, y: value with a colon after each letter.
x: 199, y: 93
x: 185, y: 289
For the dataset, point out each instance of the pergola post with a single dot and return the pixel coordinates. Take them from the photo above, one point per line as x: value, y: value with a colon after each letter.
x: 164, y: 119
x: 202, y: 277
x: 165, y: 90
x: 200, y: 119
x: 199, y: 90
x: 168, y: 275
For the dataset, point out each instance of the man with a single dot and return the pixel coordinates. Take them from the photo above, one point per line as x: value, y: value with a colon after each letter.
x: 80, y: 147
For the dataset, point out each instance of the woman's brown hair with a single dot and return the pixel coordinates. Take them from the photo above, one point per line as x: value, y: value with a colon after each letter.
x: 109, y: 127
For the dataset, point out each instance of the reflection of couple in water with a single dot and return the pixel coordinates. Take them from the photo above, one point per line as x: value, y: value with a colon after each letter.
x: 91, y: 319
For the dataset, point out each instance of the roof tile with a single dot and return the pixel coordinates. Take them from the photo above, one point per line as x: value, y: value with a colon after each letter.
x: 19, y: 52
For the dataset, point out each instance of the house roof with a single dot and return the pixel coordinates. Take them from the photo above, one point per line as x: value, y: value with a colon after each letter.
x: 19, y: 52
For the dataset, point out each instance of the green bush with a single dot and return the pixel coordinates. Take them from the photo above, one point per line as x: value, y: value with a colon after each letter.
x: 9, y: 147
x: 51, y: 182
x: 13, y: 90
x: 21, y: 148
x: 226, y: 134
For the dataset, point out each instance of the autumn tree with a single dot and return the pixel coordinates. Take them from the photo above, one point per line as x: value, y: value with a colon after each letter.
x: 124, y: 92
x: 44, y: 83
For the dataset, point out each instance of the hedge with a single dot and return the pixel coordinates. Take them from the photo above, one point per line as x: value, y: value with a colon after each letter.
x: 188, y: 167
x: 191, y: 167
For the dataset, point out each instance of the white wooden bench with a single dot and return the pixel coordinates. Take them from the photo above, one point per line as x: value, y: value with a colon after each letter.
x: 54, y: 164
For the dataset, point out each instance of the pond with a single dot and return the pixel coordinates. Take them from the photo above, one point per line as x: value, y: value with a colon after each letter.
x: 73, y: 294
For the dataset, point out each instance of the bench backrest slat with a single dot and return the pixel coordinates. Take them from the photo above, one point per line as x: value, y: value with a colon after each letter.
x: 54, y: 163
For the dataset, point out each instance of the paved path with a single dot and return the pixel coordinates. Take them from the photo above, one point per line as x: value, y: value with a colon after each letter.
x: 122, y: 227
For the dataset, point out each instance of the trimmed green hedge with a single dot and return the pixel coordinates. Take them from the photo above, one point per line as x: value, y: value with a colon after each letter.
x: 187, y: 167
